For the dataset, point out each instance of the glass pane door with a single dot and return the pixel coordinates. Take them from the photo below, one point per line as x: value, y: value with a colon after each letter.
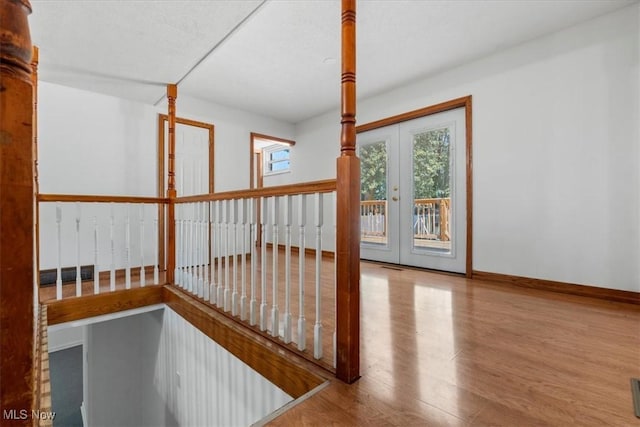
x: 432, y: 189
x: 373, y: 193
x: 377, y: 150
x: 433, y: 192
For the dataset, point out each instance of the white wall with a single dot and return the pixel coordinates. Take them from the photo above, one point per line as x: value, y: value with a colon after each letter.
x: 232, y: 138
x: 156, y: 369
x: 119, y: 377
x: 60, y: 339
x: 555, y: 156
x: 90, y: 143
x: 203, y: 384
x: 95, y: 144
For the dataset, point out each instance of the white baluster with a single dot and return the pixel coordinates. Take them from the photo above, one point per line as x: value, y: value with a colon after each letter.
x: 185, y: 247
x: 193, y: 277
x: 212, y: 257
x: 78, y: 273
x: 142, y: 272
x: 287, y: 269
x: 112, y: 269
x: 243, y: 224
x: 220, y: 287
x: 198, y: 250
x: 275, y: 216
x: 127, y: 250
x: 177, y: 270
x: 203, y: 280
x: 181, y: 213
x: 227, y: 260
x: 156, y: 262
x: 264, y: 210
x: 190, y: 247
x: 317, y: 329
x: 253, y: 305
x: 234, y: 252
x: 178, y: 273
x: 205, y: 249
x: 302, y: 322
x: 183, y: 243
x: 96, y: 268
x: 59, y: 266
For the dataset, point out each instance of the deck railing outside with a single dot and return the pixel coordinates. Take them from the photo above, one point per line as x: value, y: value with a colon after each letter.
x: 430, y: 220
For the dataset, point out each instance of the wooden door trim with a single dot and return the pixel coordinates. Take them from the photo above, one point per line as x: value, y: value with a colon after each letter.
x: 463, y: 102
x: 252, y: 150
x: 162, y: 118
x: 252, y: 153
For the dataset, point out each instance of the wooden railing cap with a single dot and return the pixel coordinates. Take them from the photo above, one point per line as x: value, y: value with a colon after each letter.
x: 323, y: 186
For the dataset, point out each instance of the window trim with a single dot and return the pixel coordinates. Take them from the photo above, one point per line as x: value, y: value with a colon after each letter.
x: 268, y: 162
x: 252, y: 150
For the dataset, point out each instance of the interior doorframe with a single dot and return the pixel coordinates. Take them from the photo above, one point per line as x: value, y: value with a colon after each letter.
x: 259, y: 182
x: 463, y: 102
x: 252, y: 150
x: 162, y: 119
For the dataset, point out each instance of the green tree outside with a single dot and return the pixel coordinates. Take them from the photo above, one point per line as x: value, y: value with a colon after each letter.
x: 431, y: 164
x: 431, y: 167
x: 373, y: 171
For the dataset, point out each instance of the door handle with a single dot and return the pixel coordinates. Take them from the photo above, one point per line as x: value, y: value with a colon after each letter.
x: 394, y: 198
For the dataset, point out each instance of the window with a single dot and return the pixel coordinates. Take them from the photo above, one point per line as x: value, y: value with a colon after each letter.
x: 276, y: 159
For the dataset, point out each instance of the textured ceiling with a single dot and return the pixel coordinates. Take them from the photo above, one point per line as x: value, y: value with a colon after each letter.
x: 130, y: 49
x: 278, y: 58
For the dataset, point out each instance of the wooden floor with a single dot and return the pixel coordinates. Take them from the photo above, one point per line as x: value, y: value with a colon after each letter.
x: 441, y: 350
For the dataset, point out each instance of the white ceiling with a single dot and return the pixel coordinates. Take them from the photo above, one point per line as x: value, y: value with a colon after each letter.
x: 278, y: 58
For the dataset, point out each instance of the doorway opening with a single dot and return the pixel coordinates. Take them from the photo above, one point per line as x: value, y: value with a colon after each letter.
x: 269, y: 155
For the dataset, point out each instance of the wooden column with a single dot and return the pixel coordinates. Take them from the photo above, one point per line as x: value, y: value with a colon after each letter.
x: 35, y: 57
x: 172, y: 94
x: 16, y: 215
x: 348, y: 206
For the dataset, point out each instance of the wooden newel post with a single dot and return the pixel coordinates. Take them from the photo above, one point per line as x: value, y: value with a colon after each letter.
x: 172, y: 94
x: 16, y: 215
x: 348, y: 205
x: 35, y: 58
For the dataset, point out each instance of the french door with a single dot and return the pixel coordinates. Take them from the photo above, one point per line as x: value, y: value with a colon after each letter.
x: 413, y: 192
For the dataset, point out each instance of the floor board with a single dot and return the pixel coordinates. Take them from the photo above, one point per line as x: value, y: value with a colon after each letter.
x: 445, y: 350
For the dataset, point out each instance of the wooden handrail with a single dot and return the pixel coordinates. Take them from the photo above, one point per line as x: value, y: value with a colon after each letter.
x: 324, y: 186
x: 81, y: 198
